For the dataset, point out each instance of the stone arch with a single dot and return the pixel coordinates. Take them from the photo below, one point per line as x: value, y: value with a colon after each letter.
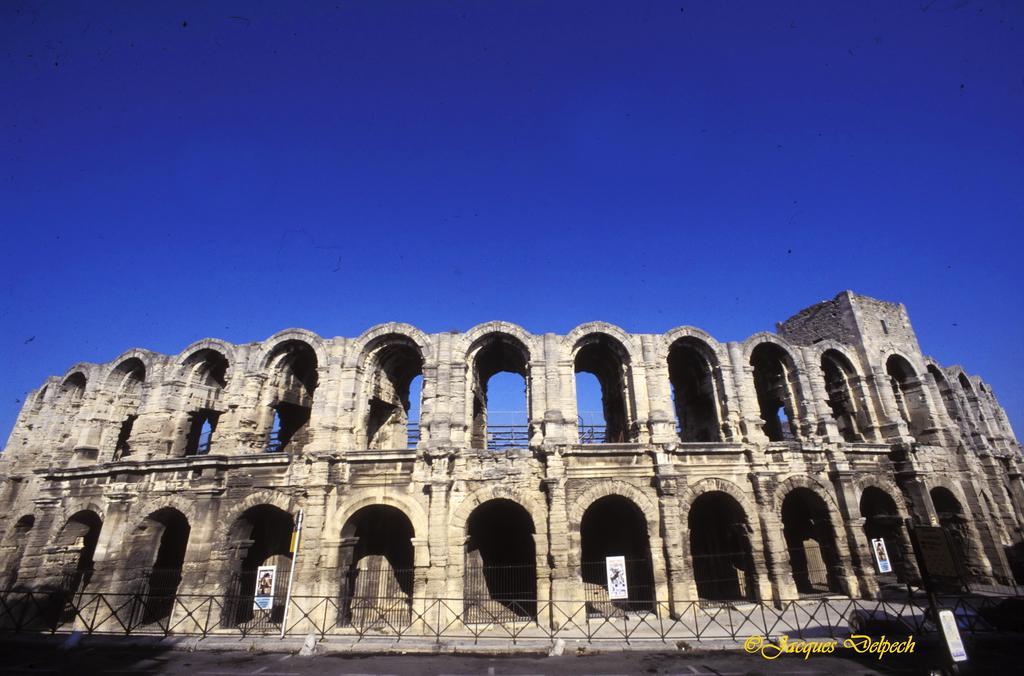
x: 224, y: 348
x: 488, y: 354
x: 750, y: 344
x: 412, y: 510
x: 360, y: 347
x: 387, y: 366
x: 782, y: 397
x: 884, y: 484
x: 573, y: 340
x: 801, y: 481
x: 839, y: 375
x: 122, y: 365
x: 74, y: 385
x: 717, y: 354
x: 814, y: 548
x: 606, y: 487
x: 259, y: 497
x: 720, y: 545
x: 698, y: 389
x: 535, y: 507
x: 693, y: 491
x: 612, y: 361
x: 472, y: 337
x: 268, y: 348
x: 179, y: 503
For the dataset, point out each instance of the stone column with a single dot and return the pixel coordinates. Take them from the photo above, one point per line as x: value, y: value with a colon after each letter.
x: 853, y: 526
x: 746, y: 398
x: 770, y: 522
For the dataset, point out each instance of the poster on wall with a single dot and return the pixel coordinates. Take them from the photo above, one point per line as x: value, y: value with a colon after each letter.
x: 615, y: 567
x: 881, y: 555
x: 264, y: 598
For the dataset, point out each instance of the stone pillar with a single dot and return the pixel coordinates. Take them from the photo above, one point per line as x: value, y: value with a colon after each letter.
x: 662, y: 423
x: 746, y: 398
x: 680, y: 585
x: 853, y: 526
x: 822, y: 422
x: 770, y: 521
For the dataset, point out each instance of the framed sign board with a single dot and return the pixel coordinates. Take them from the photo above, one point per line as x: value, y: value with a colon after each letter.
x: 263, y: 599
x: 615, y: 568
x: 881, y: 555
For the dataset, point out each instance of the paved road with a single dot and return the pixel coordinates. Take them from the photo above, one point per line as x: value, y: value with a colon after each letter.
x: 114, y: 662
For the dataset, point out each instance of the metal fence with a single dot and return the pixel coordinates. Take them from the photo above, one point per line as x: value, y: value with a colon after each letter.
x: 437, y: 619
x: 508, y: 436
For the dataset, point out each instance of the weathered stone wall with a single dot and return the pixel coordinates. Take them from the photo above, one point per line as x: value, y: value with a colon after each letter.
x: 123, y: 444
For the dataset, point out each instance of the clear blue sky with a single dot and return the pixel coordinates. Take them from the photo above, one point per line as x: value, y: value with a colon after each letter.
x: 171, y: 171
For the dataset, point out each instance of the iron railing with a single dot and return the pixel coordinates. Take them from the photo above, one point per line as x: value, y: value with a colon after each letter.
x: 508, y: 436
x: 592, y: 434
x: 435, y: 619
x: 412, y: 434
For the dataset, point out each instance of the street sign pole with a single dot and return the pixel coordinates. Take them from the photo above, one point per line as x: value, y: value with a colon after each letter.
x: 294, y: 548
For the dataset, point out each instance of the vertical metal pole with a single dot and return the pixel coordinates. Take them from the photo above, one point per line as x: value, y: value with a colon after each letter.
x: 296, y: 536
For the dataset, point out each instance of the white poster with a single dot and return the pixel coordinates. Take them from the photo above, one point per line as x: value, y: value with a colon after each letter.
x: 952, y: 635
x: 615, y: 568
x: 881, y: 555
x: 264, y: 598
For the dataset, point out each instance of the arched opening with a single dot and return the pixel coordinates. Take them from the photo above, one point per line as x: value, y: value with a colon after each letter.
x: 720, y: 548
x: 289, y: 392
x: 73, y: 387
x: 510, y: 426
x: 909, y: 394
x: 206, y: 378
x: 615, y: 526
x: 953, y: 520
x: 945, y: 392
x: 156, y: 556
x: 839, y: 374
x: 694, y: 392
x: 76, y: 547
x: 376, y: 561
x: 128, y: 377
x: 810, y: 540
x: 14, y: 550
x: 392, y: 418
x: 608, y: 361
x: 775, y: 382
x: 882, y: 521
x: 261, y: 536
x: 500, y: 581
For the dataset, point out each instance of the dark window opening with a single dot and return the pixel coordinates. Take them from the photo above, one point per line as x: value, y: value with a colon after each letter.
x: 773, y: 372
x: 290, y: 424
x: 500, y: 582
x: 607, y: 361
x: 811, y: 542
x: 202, y: 425
x: 510, y: 425
x: 948, y: 400
x: 693, y: 393
x: 18, y: 541
x: 952, y: 519
x: 615, y: 526
x: 376, y: 564
x: 392, y: 420
x: 885, y: 327
x: 882, y: 521
x: 260, y: 537
x: 838, y: 373
x: 166, y: 531
x: 122, y: 448
x: 907, y: 391
x: 720, y: 547
x: 78, y: 542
